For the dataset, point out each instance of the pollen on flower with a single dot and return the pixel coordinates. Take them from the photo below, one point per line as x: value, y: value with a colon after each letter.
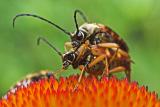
x: 50, y: 92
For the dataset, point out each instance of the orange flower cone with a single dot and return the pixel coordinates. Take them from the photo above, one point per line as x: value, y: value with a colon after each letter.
x: 90, y: 93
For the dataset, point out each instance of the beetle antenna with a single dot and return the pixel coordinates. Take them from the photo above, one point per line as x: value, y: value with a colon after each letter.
x: 41, y: 18
x: 48, y: 43
x: 75, y: 18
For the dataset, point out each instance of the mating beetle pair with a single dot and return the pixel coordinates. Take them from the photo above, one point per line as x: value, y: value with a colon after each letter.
x: 93, y: 48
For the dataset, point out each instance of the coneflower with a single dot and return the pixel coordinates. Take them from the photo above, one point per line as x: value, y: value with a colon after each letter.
x: 50, y: 92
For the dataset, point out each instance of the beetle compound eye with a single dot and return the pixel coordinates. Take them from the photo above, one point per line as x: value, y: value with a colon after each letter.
x: 80, y: 36
x: 68, y: 59
x: 71, y: 57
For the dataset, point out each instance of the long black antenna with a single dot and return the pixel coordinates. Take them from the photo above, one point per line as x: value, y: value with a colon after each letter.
x: 39, y: 17
x: 75, y: 18
x: 48, y: 43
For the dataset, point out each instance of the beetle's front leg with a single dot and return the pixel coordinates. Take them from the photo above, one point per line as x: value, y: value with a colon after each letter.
x: 79, y: 79
x: 83, y: 67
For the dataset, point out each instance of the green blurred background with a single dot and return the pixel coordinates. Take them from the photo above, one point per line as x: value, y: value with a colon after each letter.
x: 137, y: 21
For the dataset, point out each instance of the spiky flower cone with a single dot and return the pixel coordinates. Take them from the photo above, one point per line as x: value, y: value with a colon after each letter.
x: 90, y: 93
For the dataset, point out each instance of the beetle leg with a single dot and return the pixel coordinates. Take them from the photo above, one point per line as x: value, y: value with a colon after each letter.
x: 79, y: 79
x: 117, y: 69
x: 82, y: 50
x: 68, y: 46
x: 96, y: 49
x: 108, y: 45
x: 121, y: 52
x: 96, y: 60
x: 113, y: 46
x: 114, y: 55
x: 82, y: 68
x: 106, y: 70
x: 82, y: 73
x: 121, y: 69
